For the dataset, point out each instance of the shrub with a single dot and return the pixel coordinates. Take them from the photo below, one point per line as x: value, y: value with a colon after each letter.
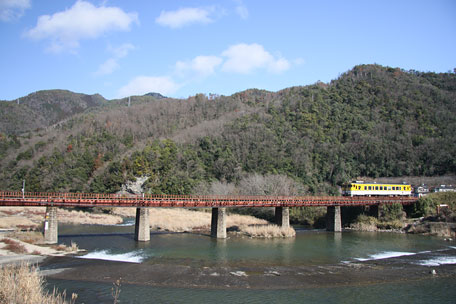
x: 365, y: 223
x: 22, y: 284
x: 268, y: 231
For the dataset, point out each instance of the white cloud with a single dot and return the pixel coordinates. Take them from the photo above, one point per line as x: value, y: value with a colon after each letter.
x: 245, y: 58
x: 146, y: 84
x: 184, y: 16
x: 279, y: 65
x: 202, y: 66
x: 112, y: 64
x: 82, y: 21
x: 122, y: 51
x: 242, y: 10
x: 13, y: 9
x: 107, y: 67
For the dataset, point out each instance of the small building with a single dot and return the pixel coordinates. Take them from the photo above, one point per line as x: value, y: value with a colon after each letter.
x: 445, y: 188
x: 420, y: 191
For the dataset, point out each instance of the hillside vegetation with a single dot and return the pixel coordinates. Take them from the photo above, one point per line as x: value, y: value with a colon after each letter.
x: 42, y: 109
x: 372, y: 121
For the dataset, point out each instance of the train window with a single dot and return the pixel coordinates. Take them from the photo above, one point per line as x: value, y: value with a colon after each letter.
x: 394, y: 188
x: 389, y: 187
x: 381, y: 187
x: 370, y: 187
x: 376, y: 187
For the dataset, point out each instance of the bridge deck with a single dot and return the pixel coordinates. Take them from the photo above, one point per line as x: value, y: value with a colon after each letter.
x: 11, y: 198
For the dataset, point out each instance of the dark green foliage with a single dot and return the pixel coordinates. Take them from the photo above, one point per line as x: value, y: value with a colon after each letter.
x: 27, y: 154
x: 8, y: 142
x: 427, y: 205
x: 392, y: 212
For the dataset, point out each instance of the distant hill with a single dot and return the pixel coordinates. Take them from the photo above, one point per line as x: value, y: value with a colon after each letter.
x: 43, y: 108
x: 372, y: 121
x: 156, y: 95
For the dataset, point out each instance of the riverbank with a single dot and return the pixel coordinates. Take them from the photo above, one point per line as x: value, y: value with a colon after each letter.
x: 17, y: 247
x: 32, y: 218
x: 161, y: 219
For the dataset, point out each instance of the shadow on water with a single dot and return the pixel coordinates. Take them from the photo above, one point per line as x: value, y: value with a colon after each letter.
x: 113, y: 234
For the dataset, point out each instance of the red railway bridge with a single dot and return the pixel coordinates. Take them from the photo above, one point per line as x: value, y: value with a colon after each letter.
x: 218, y: 204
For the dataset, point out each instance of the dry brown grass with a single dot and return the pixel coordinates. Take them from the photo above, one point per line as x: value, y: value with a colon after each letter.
x: 23, y: 284
x: 268, y: 231
x: 180, y: 220
x: 33, y: 217
x: 31, y: 237
x: 13, y: 246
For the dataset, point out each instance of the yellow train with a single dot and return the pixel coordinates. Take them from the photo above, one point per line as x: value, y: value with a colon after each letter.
x: 360, y: 188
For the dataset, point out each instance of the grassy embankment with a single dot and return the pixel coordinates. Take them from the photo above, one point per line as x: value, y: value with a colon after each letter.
x: 32, y: 217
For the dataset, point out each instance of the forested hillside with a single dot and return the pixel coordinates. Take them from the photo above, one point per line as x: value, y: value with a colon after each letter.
x: 42, y: 109
x: 372, y: 121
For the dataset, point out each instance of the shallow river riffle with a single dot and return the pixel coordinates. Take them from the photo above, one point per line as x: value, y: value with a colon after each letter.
x: 309, y: 248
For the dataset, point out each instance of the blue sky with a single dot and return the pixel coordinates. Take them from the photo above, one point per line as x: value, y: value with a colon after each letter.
x: 181, y: 48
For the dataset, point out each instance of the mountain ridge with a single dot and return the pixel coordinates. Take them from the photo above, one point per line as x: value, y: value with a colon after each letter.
x: 372, y: 121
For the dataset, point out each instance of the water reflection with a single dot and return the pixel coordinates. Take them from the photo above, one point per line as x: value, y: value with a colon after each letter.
x: 220, y: 248
x: 307, y: 248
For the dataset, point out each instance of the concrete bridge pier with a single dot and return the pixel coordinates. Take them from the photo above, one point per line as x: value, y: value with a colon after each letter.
x: 282, y: 216
x: 51, y: 226
x: 142, y: 225
x: 218, y: 223
x: 333, y: 219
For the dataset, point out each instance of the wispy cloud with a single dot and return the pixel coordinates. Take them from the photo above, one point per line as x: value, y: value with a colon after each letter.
x: 200, y: 66
x: 239, y: 59
x: 145, y: 84
x: 242, y: 10
x: 13, y: 9
x: 82, y: 21
x: 185, y: 16
x: 245, y: 58
x: 112, y: 64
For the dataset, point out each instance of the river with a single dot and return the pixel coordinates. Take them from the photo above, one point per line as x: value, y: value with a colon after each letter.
x: 313, y: 253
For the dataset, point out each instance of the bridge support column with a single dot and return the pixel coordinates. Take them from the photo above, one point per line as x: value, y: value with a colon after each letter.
x: 333, y: 219
x: 218, y: 223
x: 142, y: 225
x: 51, y: 226
x: 282, y: 216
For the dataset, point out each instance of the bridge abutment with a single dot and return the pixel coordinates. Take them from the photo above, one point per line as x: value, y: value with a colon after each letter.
x: 51, y: 226
x: 282, y: 216
x: 333, y: 219
x: 142, y: 225
x: 218, y: 223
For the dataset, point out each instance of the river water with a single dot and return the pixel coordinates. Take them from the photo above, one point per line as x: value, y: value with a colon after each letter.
x: 309, y: 247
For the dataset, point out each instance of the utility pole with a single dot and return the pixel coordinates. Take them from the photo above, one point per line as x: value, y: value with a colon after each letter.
x: 23, y: 189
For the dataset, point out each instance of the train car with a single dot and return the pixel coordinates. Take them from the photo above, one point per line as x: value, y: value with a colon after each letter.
x: 360, y: 188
